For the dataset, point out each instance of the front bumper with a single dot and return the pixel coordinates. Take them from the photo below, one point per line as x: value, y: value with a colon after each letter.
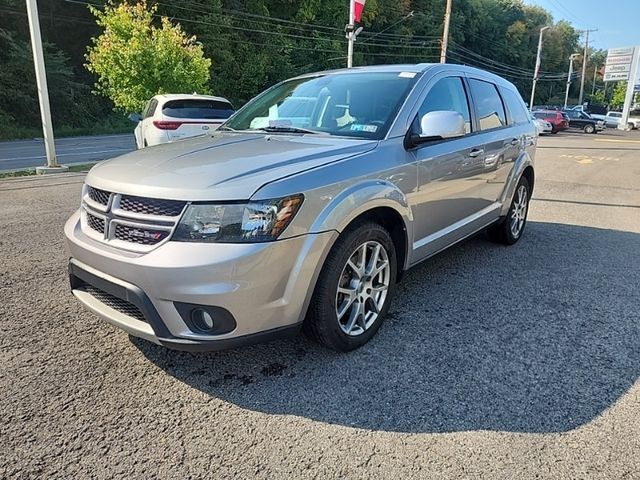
x: 266, y: 287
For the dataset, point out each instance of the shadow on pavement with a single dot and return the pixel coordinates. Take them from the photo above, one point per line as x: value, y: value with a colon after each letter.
x: 540, y: 337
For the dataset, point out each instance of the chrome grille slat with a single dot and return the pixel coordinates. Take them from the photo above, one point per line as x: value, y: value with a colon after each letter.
x: 122, y: 306
x: 129, y: 222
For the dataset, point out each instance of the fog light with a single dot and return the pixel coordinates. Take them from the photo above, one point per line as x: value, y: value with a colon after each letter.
x: 202, y: 319
x: 206, y: 319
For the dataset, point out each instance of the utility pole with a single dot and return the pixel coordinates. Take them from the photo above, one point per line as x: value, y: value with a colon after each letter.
x: 445, y: 33
x: 537, y: 69
x: 584, y: 65
x: 566, y: 95
x: 43, y: 92
x: 349, y: 30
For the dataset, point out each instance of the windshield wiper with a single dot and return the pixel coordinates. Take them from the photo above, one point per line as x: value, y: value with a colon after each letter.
x: 282, y: 129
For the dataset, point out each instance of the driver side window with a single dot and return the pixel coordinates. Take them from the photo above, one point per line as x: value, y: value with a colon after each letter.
x: 448, y: 94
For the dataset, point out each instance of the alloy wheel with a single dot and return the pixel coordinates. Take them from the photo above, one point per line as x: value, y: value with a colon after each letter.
x: 363, y: 288
x: 519, y: 211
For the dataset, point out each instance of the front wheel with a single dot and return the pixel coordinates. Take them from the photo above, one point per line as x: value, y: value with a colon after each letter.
x: 509, y: 230
x: 589, y: 128
x: 354, y: 289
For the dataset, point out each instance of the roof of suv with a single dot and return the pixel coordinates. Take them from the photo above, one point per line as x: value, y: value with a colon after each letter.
x: 413, y: 68
x: 189, y: 96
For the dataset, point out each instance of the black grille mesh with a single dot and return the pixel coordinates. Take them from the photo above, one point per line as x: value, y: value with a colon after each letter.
x: 141, y: 236
x: 116, y: 303
x: 95, y: 223
x: 99, y: 196
x: 151, y: 206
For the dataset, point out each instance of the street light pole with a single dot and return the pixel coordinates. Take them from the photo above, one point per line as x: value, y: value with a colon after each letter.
x: 445, y: 33
x: 566, y: 95
x: 537, y: 69
x: 41, y: 81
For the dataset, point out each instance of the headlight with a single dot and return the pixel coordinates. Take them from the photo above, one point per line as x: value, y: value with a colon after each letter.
x: 260, y: 221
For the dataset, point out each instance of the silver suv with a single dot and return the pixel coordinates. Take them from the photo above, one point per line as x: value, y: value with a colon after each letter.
x: 304, y: 208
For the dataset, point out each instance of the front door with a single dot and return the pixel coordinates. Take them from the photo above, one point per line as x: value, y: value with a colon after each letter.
x: 447, y: 172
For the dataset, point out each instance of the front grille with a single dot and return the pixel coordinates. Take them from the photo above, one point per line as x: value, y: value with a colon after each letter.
x: 143, y: 223
x: 141, y: 236
x: 95, y: 223
x: 98, y: 196
x: 122, y: 306
x: 151, y: 206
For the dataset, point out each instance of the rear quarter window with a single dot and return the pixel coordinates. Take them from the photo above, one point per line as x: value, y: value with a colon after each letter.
x: 491, y: 113
x: 205, y: 109
x: 517, y: 111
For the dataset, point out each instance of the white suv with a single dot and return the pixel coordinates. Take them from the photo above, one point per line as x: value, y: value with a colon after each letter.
x: 170, y: 117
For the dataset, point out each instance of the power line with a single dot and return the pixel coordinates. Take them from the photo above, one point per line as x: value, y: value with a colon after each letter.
x: 518, y: 70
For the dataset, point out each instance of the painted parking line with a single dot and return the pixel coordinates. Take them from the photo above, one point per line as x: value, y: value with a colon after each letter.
x: 615, y: 140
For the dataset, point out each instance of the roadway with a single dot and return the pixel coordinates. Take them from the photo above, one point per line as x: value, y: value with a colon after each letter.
x: 21, y: 154
x: 495, y: 362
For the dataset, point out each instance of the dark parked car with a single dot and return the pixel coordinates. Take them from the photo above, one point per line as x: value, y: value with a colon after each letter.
x: 584, y: 121
x: 558, y: 121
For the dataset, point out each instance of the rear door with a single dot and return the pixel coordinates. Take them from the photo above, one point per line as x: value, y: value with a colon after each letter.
x: 190, y: 117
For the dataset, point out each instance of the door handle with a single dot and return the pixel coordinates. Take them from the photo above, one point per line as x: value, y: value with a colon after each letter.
x: 476, y: 152
x: 515, y: 142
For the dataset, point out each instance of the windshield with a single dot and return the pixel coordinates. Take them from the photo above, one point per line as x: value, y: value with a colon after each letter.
x: 361, y: 105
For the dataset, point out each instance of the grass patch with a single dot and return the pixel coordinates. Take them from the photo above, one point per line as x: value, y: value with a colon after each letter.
x: 110, y: 126
x: 19, y: 173
x: 28, y: 172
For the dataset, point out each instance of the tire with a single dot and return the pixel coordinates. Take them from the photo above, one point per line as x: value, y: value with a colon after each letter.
x: 631, y: 126
x: 504, y: 231
x: 588, y: 128
x: 349, y: 329
x: 554, y: 131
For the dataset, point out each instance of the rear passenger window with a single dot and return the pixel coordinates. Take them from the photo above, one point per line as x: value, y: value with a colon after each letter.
x: 491, y: 112
x: 515, y: 105
x: 198, y: 108
x: 448, y: 94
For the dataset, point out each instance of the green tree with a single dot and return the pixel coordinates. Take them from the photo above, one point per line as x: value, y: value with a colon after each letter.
x: 135, y: 59
x: 619, y: 92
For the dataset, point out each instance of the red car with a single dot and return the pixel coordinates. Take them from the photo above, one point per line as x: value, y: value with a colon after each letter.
x: 557, y: 119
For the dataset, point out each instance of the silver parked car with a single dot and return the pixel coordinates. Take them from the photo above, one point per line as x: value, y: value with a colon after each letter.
x: 304, y: 208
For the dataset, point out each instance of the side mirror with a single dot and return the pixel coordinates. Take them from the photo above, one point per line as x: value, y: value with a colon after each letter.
x: 439, y: 125
x: 442, y: 125
x: 134, y: 117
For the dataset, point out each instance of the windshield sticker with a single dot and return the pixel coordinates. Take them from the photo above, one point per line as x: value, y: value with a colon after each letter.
x: 356, y: 127
x: 407, y: 74
x: 280, y: 123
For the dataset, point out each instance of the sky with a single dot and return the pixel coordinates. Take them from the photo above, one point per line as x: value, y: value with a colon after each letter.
x: 617, y: 21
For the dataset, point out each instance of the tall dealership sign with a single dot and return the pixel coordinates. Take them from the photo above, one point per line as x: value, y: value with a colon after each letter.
x: 622, y: 65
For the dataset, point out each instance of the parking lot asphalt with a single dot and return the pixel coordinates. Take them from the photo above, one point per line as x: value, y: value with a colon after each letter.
x: 496, y: 362
x: 18, y: 154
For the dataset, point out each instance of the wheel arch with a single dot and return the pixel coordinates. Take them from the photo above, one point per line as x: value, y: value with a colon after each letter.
x: 523, y: 167
x: 378, y: 201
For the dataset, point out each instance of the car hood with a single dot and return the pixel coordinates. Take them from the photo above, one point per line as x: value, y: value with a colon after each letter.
x: 226, y: 166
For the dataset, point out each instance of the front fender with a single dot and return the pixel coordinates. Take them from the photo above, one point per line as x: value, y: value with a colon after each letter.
x: 360, y: 198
